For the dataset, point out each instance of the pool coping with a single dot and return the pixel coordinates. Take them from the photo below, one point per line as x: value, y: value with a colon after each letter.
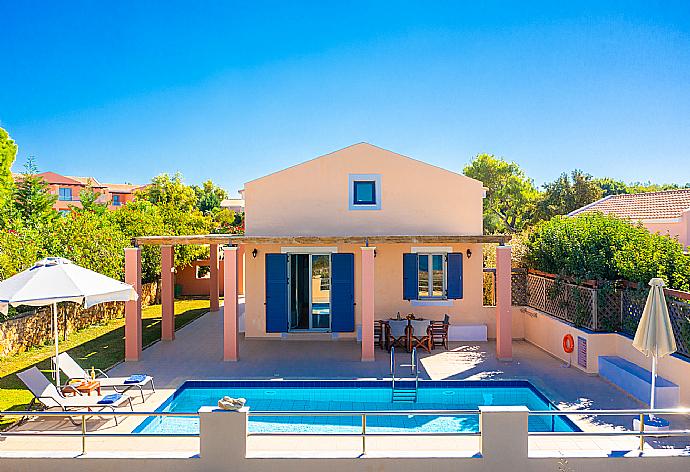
x: 340, y: 383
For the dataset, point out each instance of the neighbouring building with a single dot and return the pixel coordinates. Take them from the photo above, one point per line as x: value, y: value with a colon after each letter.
x: 666, y: 212
x: 234, y: 204
x: 68, y: 188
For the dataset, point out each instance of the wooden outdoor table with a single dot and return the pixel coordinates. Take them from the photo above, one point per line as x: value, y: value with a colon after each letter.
x: 84, y: 387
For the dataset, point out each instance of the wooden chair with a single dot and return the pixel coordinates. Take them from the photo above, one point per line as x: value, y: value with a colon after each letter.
x: 380, y: 333
x: 420, y: 334
x: 398, y: 334
x: 439, y: 332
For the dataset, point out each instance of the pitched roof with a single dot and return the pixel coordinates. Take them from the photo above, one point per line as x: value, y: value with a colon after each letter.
x: 87, y: 181
x: 122, y: 188
x: 668, y: 204
x: 53, y: 178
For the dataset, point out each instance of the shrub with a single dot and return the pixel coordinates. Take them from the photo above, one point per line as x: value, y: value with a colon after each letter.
x: 604, y: 247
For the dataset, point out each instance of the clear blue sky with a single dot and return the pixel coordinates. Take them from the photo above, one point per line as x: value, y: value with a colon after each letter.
x: 125, y: 90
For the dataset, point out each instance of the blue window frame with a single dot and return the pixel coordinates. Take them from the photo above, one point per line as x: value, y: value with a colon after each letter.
x: 364, y: 192
x: 65, y: 194
x: 116, y: 200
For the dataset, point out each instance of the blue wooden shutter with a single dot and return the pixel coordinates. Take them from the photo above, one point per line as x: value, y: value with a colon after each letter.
x: 342, y: 293
x: 276, y: 293
x: 410, y: 276
x: 454, y: 275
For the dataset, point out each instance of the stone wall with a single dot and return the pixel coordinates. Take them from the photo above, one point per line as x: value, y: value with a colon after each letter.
x: 35, y: 328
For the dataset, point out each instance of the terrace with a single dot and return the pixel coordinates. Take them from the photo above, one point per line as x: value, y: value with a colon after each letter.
x: 197, y: 354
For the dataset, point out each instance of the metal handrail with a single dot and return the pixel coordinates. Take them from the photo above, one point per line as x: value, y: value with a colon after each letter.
x: 392, y: 372
x: 641, y: 433
x: 363, y: 414
x: 83, y: 434
x: 415, y: 368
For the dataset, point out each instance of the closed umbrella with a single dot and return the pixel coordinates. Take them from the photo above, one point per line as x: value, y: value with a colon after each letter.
x: 54, y: 280
x: 654, y: 336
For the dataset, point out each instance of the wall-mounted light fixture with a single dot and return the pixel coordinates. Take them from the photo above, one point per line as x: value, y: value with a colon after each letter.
x: 254, y: 253
x: 374, y: 252
x: 469, y: 253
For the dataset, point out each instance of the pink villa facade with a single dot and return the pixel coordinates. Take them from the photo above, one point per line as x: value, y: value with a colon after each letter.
x: 366, y: 234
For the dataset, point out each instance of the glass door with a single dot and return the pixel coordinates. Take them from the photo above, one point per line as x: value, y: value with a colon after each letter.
x: 310, y: 292
x: 320, y: 292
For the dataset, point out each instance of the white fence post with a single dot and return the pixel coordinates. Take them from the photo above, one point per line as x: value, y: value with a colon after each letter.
x: 504, y: 435
x: 222, y: 438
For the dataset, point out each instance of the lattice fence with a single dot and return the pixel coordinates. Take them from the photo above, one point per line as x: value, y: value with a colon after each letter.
x: 569, y: 302
x: 518, y: 287
x: 605, y: 309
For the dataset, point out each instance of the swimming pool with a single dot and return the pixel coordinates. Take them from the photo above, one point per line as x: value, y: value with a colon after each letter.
x: 346, y: 395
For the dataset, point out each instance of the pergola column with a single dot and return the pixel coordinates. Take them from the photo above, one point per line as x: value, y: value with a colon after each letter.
x: 240, y: 269
x: 368, y: 304
x: 214, y: 290
x: 168, y: 292
x: 230, y: 324
x: 133, y: 307
x: 504, y: 304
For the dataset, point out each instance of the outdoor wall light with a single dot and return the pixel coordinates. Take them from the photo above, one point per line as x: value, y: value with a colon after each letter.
x: 469, y: 253
x: 254, y: 253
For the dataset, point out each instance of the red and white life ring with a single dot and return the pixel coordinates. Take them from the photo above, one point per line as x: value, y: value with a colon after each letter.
x: 568, y: 343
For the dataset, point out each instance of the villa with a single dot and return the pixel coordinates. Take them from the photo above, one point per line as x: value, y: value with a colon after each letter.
x: 368, y: 236
x: 365, y: 235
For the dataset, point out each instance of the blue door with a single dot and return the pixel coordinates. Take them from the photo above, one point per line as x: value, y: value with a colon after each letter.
x: 342, y: 293
x: 276, y: 293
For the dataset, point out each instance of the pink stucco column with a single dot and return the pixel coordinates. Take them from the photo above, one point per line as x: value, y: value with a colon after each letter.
x: 168, y: 292
x: 368, y: 304
x: 133, y: 308
x: 231, y: 350
x: 504, y: 308
x: 213, y: 291
x: 240, y: 269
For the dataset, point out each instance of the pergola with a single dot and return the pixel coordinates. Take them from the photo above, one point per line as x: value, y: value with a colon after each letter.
x: 233, y: 248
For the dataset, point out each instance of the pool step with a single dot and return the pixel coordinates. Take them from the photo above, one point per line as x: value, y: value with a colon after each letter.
x: 404, y: 395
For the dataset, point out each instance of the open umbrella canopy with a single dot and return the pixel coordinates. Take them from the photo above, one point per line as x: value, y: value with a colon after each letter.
x: 55, y: 279
x: 654, y: 335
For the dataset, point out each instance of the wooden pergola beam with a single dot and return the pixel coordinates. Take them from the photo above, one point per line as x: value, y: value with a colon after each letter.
x: 314, y: 240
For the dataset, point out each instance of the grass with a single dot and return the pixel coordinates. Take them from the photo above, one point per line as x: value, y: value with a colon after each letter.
x: 100, y: 345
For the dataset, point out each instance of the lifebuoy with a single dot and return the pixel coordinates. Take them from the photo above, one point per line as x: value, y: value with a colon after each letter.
x: 568, y: 343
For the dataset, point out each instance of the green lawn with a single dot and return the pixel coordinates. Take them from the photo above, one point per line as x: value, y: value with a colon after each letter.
x: 101, y: 346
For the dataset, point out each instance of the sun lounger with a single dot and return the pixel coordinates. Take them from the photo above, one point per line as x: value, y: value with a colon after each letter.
x: 50, y: 397
x: 73, y: 371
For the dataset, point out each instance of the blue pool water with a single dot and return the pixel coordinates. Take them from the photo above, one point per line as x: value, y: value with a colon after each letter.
x: 272, y: 395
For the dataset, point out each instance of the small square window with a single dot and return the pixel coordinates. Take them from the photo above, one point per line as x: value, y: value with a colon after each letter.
x: 364, y: 192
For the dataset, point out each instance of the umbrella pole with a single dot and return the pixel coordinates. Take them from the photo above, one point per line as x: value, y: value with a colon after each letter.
x: 57, y: 351
x: 652, y: 397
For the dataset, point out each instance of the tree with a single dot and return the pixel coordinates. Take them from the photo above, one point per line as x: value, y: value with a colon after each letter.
x: 510, y: 196
x: 610, y: 186
x: 89, y: 200
x: 8, y: 152
x: 567, y: 193
x: 169, y: 191
x: 32, y: 196
x: 209, y: 196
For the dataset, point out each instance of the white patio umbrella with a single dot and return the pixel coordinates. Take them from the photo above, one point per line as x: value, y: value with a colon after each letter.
x: 54, y: 280
x: 654, y: 336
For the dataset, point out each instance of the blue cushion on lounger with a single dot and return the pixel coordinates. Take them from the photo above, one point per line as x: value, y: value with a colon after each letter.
x: 109, y: 399
x: 135, y: 379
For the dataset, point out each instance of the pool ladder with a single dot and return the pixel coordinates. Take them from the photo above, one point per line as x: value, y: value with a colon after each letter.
x: 403, y: 392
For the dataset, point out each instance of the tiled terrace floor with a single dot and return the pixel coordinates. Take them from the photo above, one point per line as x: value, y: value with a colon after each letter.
x: 196, y: 353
